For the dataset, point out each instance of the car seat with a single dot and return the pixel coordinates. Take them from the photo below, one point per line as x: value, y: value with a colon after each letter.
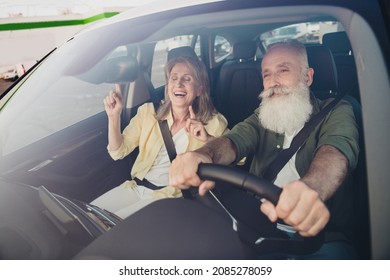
x: 239, y: 83
x: 341, y: 48
x: 325, y: 80
x: 325, y: 85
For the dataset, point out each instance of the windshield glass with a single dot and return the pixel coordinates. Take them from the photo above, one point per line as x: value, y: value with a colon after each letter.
x: 49, y: 101
x: 306, y: 32
x: 67, y: 88
x: 53, y: 123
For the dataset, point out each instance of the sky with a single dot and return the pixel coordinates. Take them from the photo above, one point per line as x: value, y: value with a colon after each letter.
x: 31, y: 8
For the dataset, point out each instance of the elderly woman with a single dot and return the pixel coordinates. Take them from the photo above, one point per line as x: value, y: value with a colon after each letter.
x: 192, y: 120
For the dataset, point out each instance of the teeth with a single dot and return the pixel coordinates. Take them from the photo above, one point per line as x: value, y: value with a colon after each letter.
x: 179, y: 93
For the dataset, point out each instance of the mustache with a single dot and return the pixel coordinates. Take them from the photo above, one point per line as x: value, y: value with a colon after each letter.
x: 274, y: 90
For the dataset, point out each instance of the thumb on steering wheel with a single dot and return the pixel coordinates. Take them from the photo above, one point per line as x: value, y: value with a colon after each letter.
x: 205, y: 186
x: 269, y: 210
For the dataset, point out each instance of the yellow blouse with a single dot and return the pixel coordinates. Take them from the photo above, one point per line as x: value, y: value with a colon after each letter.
x: 144, y: 132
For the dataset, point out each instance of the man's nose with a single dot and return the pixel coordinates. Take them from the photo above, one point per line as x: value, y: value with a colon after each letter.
x: 272, y: 81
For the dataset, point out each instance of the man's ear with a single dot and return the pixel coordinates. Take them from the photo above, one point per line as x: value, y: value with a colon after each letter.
x: 309, y: 76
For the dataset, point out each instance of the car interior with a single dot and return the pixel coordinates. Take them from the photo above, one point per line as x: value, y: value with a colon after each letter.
x: 231, y: 44
x: 236, y: 82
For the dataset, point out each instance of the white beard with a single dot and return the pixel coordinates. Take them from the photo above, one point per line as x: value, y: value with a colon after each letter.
x: 285, y: 114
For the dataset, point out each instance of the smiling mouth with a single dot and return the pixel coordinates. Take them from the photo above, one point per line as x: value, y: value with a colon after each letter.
x: 179, y: 94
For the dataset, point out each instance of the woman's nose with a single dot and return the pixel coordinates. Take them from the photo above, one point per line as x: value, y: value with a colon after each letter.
x: 179, y: 82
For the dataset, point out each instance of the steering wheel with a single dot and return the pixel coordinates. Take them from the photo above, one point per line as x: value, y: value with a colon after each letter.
x: 185, y: 229
x: 273, y: 237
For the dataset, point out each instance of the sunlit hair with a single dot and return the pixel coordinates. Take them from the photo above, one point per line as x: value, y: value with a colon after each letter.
x: 295, y: 46
x: 202, y: 105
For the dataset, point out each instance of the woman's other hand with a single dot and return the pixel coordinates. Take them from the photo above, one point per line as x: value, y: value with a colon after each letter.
x: 196, y: 128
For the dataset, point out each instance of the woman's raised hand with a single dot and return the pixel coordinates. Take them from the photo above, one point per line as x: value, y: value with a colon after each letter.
x: 113, y: 102
x: 196, y: 128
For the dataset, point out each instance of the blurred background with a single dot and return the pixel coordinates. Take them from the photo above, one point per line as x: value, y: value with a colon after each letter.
x: 29, y: 29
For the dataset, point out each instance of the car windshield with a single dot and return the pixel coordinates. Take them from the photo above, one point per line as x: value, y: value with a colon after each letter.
x: 67, y: 88
x: 53, y: 122
x: 50, y: 101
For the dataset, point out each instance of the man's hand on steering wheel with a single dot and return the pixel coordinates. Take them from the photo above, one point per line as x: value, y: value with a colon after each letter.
x: 299, y: 206
x: 183, y: 172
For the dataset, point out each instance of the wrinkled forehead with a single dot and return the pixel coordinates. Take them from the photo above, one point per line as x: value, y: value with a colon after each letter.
x: 281, y: 55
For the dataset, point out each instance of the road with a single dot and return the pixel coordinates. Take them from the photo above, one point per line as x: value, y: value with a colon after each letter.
x: 4, y: 85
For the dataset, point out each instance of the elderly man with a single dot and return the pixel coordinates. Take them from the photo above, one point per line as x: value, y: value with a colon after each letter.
x: 313, y: 194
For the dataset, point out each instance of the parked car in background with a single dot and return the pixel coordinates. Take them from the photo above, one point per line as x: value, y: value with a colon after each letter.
x: 18, y: 70
x: 10, y: 74
x: 53, y: 127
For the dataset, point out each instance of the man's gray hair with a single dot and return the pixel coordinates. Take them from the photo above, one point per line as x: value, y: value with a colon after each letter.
x: 294, y: 45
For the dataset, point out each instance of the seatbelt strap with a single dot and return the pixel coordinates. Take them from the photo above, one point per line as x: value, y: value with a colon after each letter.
x: 170, y: 146
x: 284, y: 156
x: 167, y: 139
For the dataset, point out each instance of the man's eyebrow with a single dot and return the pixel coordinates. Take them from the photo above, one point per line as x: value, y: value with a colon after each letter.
x: 280, y: 65
x: 284, y: 64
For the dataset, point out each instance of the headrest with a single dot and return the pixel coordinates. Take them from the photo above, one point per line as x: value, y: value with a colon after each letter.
x: 181, y: 51
x: 244, y: 50
x: 325, y: 82
x: 337, y: 42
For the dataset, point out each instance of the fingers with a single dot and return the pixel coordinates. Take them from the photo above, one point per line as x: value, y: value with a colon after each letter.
x: 205, y: 186
x: 188, y: 125
x: 195, y: 127
x: 302, y: 208
x: 269, y: 210
x: 116, y: 96
x: 112, y: 98
x: 113, y: 103
x: 109, y: 102
x: 191, y: 120
x: 192, y: 114
x: 314, y: 223
x: 192, y: 123
x: 183, y: 172
x: 118, y: 89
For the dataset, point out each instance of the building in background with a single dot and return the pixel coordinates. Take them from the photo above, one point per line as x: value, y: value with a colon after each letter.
x: 29, y: 29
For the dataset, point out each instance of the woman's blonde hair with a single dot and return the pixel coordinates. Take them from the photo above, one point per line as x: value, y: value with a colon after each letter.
x: 202, y: 105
